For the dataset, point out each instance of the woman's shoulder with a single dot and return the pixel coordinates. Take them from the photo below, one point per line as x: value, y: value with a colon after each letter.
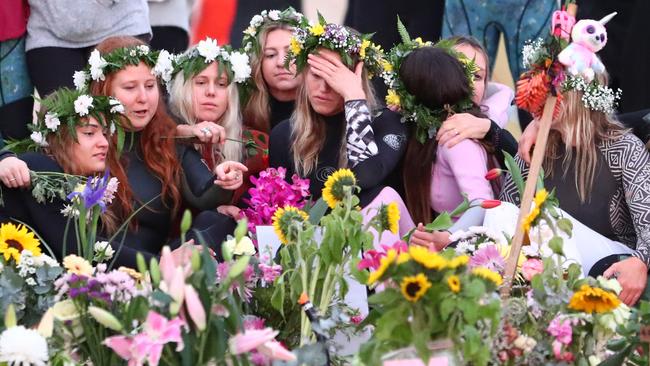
x: 40, y: 162
x: 466, y: 148
x: 622, y: 147
x: 281, y: 131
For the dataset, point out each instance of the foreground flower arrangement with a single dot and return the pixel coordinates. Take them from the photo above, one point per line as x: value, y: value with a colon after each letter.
x: 186, y: 308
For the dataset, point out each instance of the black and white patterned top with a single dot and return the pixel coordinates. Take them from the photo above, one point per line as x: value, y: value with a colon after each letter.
x: 359, y: 133
x: 629, y: 205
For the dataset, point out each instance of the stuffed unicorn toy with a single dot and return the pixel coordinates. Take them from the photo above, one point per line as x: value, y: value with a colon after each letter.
x: 588, y: 37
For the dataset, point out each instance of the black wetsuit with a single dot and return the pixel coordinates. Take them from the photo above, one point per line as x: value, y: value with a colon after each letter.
x: 375, y: 167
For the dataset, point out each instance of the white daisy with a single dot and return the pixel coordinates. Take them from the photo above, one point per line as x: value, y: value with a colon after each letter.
x: 256, y: 21
x: 79, y: 79
x: 52, y: 121
x: 21, y: 346
x: 38, y: 138
x: 274, y: 14
x: 117, y: 107
x: 97, y: 64
x: 164, y: 66
x: 83, y: 104
x: 209, y: 49
x: 240, y: 66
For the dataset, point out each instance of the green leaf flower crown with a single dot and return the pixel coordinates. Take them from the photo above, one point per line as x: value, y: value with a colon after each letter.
x: 428, y: 120
x: 287, y: 16
x: 66, y: 109
x: 233, y: 62
x: 307, y: 38
x: 101, y: 65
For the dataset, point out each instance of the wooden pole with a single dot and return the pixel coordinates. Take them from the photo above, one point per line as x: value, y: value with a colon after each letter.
x: 531, y: 182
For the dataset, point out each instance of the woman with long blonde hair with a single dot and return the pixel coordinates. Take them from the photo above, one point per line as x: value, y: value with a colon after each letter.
x: 599, y: 171
x: 274, y: 86
x: 337, y: 122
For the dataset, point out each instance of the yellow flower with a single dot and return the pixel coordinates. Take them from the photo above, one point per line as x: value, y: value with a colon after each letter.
x: 456, y: 262
x: 364, y: 44
x: 414, y: 287
x: 590, y: 299
x: 427, y: 258
x: 77, y: 265
x: 387, y: 66
x: 419, y: 41
x: 283, y: 218
x: 317, y: 29
x: 540, y: 197
x: 504, y: 251
x: 389, y: 217
x: 14, y: 239
x: 334, y: 191
x: 392, y: 99
x: 384, y: 263
x: 488, y: 274
x: 131, y: 272
x: 454, y: 283
x: 403, y: 258
x: 295, y: 46
x: 530, y: 219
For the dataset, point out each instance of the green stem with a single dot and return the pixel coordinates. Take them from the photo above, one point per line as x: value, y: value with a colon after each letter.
x: 88, y: 254
x: 314, y: 280
x: 326, y: 284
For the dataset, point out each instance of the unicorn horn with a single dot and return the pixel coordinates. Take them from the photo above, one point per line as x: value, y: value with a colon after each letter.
x: 607, y: 18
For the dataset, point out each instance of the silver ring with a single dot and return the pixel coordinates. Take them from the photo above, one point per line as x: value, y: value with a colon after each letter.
x: 205, y: 130
x: 12, y: 179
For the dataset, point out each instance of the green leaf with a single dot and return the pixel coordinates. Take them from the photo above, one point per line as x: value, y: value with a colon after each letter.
x: 403, y: 33
x: 565, y: 225
x: 556, y: 244
x: 238, y: 267
x: 515, y: 172
x: 317, y: 211
x: 442, y: 222
x: 277, y: 299
x: 447, y: 306
x: 618, y: 359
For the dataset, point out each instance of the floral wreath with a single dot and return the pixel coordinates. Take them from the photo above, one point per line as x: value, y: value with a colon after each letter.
x: 547, y: 75
x: 287, y: 16
x: 307, y: 38
x: 427, y: 120
x: 67, y: 108
x: 100, y: 65
x: 235, y: 63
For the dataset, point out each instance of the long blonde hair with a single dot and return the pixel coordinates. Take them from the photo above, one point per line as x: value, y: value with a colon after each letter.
x: 584, y: 129
x: 181, y: 97
x: 308, y: 128
x: 257, y: 109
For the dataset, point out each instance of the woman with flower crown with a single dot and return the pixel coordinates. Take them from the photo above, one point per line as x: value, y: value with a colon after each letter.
x: 273, y: 93
x: 205, y: 88
x: 597, y: 168
x: 336, y: 123
x: 71, y: 135
x: 437, y: 176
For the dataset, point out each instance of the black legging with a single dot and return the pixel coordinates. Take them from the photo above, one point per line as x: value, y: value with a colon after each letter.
x: 52, y: 67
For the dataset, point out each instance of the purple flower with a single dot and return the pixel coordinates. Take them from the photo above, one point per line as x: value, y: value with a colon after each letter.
x: 270, y: 272
x: 93, y: 193
x: 488, y: 257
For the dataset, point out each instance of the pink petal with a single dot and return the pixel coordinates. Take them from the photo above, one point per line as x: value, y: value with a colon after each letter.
x: 275, y: 351
x: 177, y: 286
x: 121, y: 345
x: 250, y: 339
x: 154, y: 354
x: 194, y: 307
x: 167, y: 265
x: 172, y: 333
x: 155, y: 323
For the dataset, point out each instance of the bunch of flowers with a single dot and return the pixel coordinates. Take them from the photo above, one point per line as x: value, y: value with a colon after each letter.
x: 27, y: 275
x: 101, y: 65
x: 352, y: 47
x: 428, y: 121
x: 595, y: 96
x: 232, y: 62
x: 67, y: 109
x: 272, y: 192
x: 428, y: 296
x: 288, y: 16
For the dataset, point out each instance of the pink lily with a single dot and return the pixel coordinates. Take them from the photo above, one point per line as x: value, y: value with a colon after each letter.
x: 275, y: 351
x: 123, y: 346
x: 250, y: 340
x: 195, y: 307
x: 158, y: 331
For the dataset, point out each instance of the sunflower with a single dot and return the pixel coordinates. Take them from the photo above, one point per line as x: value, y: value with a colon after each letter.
x: 389, y: 217
x: 334, y: 190
x: 590, y: 299
x: 77, y: 265
x: 456, y: 262
x: 14, y: 239
x: 540, y: 197
x: 283, y: 219
x: 454, y: 283
x: 403, y: 258
x: 427, y: 258
x: 488, y: 275
x: 414, y: 287
x: 384, y: 263
x: 530, y: 219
